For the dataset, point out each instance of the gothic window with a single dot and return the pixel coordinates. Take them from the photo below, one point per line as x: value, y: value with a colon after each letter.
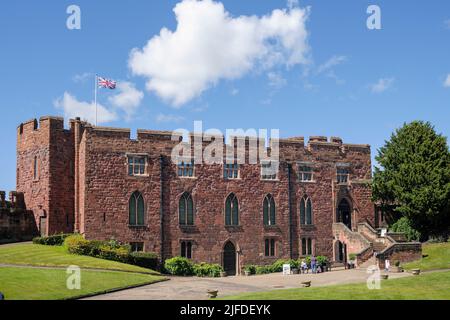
x: 269, y: 211
x: 231, y: 211
x: 136, y: 209
x: 186, y: 210
x: 306, y: 214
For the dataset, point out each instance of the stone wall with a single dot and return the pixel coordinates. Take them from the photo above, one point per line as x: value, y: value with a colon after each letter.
x: 16, y: 223
x: 84, y: 185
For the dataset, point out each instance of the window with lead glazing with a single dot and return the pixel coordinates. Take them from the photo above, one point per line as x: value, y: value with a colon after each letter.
x: 136, y: 210
x: 186, y: 210
x: 231, y: 170
x: 231, y: 211
x: 269, y: 211
x: 137, y: 165
x: 186, y: 169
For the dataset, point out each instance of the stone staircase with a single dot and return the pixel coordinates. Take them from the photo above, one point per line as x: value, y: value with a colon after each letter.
x: 371, y: 248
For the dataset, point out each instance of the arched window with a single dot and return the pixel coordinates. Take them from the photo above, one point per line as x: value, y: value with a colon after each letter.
x: 136, y: 209
x: 306, y: 215
x: 186, y: 210
x: 231, y: 211
x: 269, y: 211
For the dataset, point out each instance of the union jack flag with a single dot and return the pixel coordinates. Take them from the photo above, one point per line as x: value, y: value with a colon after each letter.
x: 106, y: 83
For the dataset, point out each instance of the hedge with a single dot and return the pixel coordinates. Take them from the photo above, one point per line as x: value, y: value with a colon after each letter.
x: 110, y: 250
x: 55, y: 240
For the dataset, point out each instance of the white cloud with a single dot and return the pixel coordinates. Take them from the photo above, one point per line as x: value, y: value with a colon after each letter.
x: 86, y: 111
x: 234, y: 92
x: 209, y: 45
x: 128, y: 99
x: 382, y: 85
x: 276, y: 80
x: 447, y: 81
x: 83, y: 77
x: 332, y: 62
x: 291, y: 4
x: 168, y: 118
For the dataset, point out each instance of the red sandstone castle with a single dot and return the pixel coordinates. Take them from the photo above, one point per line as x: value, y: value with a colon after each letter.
x: 101, y: 183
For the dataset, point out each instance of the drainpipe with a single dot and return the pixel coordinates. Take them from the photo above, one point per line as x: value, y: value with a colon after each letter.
x: 161, y: 208
x: 291, y: 231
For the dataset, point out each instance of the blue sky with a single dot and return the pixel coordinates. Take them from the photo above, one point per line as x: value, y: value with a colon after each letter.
x: 358, y: 84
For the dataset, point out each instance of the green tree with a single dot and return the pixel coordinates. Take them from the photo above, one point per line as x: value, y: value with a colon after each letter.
x: 415, y: 178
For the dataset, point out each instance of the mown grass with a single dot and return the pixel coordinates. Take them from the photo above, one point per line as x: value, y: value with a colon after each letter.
x: 437, y: 256
x: 25, y: 283
x: 431, y: 286
x: 47, y: 256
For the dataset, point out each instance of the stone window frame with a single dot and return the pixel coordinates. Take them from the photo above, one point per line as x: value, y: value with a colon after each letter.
x: 301, y: 173
x: 309, y: 251
x: 187, y: 249
x: 144, y: 156
x: 270, y: 247
x: 266, y: 177
x: 137, y: 194
x: 231, y: 165
x: 305, y: 199
x: 343, y: 173
x: 271, y: 201
x: 135, y: 244
x: 186, y: 196
x: 232, y: 196
x: 183, y: 164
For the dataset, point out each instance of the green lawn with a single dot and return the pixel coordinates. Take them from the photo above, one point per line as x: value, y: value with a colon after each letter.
x: 431, y: 286
x: 37, y: 255
x: 50, y: 284
x: 438, y: 257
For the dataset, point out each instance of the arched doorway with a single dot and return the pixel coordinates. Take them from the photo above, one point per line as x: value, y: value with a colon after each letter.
x: 340, y: 252
x: 229, y: 259
x: 344, y: 214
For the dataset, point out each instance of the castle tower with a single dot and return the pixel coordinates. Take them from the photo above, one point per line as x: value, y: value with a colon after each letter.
x: 45, y: 173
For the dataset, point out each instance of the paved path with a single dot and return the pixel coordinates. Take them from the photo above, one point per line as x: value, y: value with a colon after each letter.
x: 179, y: 288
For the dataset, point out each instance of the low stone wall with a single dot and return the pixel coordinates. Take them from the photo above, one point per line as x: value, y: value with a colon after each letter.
x: 17, y: 225
x: 403, y: 252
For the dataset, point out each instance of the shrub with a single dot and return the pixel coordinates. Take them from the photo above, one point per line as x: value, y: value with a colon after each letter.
x: 114, y: 254
x: 145, y: 259
x: 263, y: 269
x: 322, y: 260
x: 397, y: 263
x: 403, y: 225
x: 179, y: 266
x: 207, y: 270
x: 77, y: 244
x: 55, y: 240
x: 277, y: 266
x: 352, y: 256
x: 250, y: 269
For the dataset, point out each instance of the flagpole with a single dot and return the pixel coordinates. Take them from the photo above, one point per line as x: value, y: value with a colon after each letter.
x: 95, y: 98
